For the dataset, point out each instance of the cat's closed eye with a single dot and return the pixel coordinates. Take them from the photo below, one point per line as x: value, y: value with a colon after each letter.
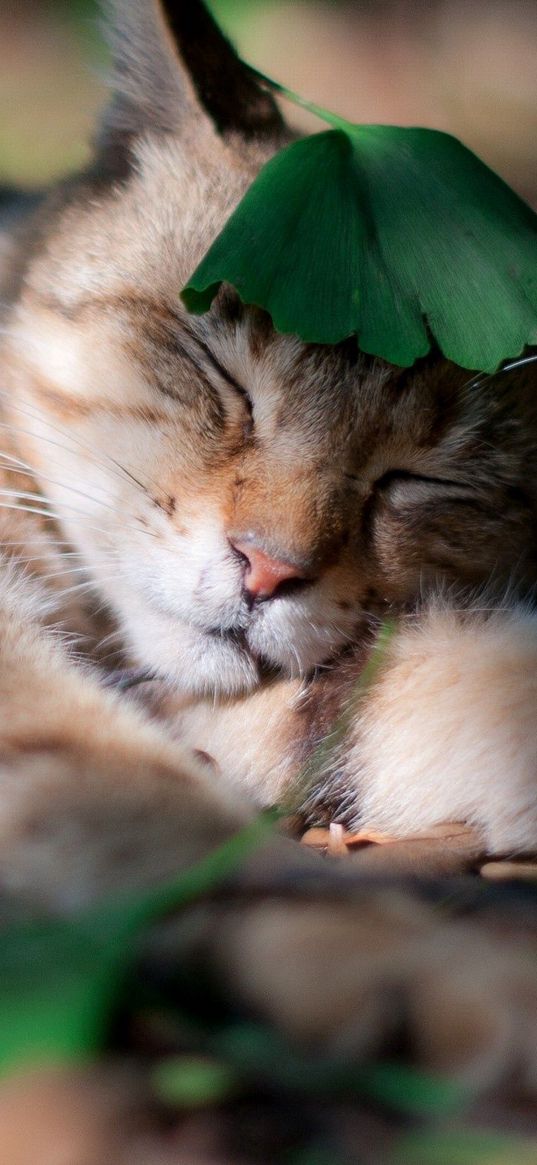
x: 392, y: 479
x: 398, y: 477
x: 225, y: 380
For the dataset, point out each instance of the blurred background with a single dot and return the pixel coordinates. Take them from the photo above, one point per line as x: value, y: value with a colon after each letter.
x: 467, y: 66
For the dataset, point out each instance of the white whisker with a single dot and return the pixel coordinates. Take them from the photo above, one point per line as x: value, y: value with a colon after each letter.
x: 112, y: 635
x: 35, y: 414
x: 40, y: 551
x: 89, y: 584
x: 59, y: 573
x: 47, y: 501
x: 107, y: 657
x: 63, y: 485
x: 27, y: 495
x: 28, y: 510
x: 43, y: 513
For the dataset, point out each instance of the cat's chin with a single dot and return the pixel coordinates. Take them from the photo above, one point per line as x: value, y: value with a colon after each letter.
x: 196, y: 662
x: 208, y: 663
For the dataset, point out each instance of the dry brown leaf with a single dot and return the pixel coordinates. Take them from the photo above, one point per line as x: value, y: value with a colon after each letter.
x: 507, y: 871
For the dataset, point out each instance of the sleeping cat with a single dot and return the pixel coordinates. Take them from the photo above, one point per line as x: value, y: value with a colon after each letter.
x: 234, y: 515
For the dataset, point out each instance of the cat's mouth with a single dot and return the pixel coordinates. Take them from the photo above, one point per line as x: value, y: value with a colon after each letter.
x: 238, y: 637
x: 283, y: 637
x: 230, y: 655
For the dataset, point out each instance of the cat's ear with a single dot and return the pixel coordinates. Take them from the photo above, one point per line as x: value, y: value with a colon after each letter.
x: 171, y: 65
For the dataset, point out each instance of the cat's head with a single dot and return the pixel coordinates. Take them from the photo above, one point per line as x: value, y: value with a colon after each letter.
x: 243, y: 499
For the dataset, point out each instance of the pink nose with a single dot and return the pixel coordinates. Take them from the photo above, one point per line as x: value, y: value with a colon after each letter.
x: 264, y: 574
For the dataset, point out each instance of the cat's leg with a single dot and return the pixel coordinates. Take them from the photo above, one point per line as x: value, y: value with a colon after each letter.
x: 257, y: 743
x: 91, y: 795
x: 448, y: 730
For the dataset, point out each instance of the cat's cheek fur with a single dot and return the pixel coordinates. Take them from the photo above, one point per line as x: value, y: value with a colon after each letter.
x: 449, y: 730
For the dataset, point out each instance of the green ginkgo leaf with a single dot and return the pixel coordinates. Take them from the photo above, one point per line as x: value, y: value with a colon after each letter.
x: 400, y: 236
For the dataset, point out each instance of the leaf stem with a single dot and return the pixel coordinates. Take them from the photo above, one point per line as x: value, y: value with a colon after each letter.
x: 324, y: 114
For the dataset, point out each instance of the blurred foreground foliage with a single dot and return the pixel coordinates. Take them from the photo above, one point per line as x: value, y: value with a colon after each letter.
x: 76, y: 990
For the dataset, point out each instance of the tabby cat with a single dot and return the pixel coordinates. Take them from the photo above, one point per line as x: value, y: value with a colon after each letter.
x: 231, y: 515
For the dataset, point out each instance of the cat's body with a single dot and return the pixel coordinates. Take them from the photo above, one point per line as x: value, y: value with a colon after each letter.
x: 236, y: 513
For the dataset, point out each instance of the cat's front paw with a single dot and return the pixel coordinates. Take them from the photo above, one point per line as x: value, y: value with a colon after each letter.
x: 447, y: 731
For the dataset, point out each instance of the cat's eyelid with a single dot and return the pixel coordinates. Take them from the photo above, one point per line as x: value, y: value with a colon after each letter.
x: 401, y: 475
x: 225, y: 374
x: 218, y: 367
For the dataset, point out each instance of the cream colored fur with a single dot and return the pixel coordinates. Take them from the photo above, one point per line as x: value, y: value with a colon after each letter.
x: 445, y: 733
x: 448, y: 732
